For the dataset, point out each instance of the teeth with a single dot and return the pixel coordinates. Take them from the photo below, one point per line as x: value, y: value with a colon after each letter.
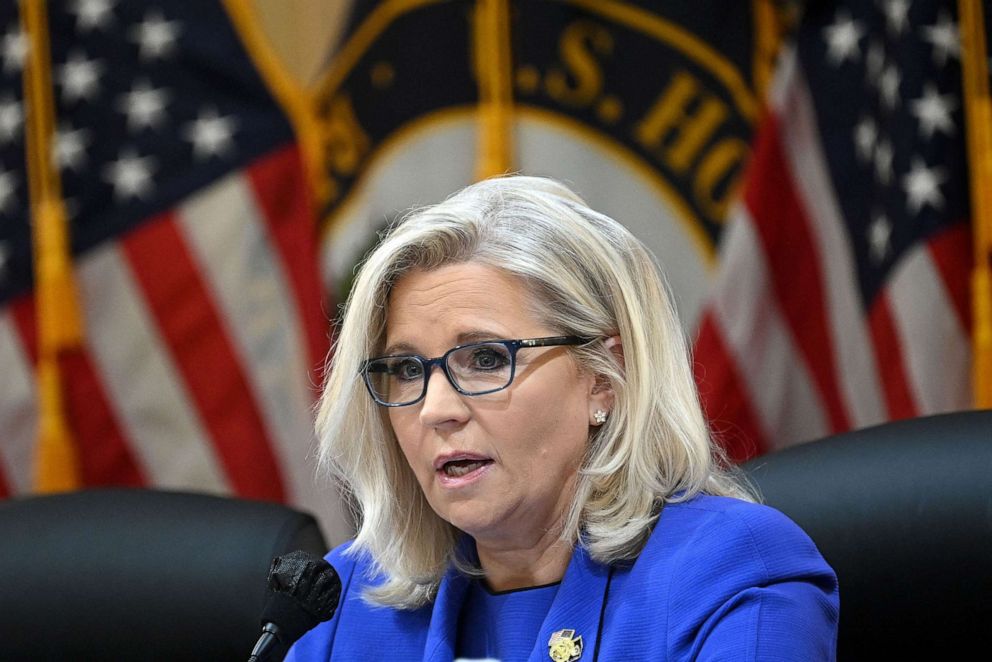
x: 462, y: 467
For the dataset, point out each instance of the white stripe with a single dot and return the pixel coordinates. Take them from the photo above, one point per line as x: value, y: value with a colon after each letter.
x: 935, y: 348
x: 18, y: 408
x: 143, y: 384
x: 778, y: 381
x: 855, y: 362
x: 229, y: 240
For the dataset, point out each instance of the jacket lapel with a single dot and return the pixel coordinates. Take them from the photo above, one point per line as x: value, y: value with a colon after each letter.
x: 443, y: 632
x: 577, y: 606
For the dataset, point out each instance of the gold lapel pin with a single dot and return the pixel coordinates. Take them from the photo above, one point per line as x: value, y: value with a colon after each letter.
x: 564, y: 646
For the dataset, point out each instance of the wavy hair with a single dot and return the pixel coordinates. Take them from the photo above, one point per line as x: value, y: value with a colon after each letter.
x: 587, y: 276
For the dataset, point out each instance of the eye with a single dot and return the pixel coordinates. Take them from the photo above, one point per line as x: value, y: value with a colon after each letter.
x: 407, y: 369
x: 489, y: 357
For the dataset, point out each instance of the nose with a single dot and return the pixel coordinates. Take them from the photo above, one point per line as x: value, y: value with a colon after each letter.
x: 442, y: 405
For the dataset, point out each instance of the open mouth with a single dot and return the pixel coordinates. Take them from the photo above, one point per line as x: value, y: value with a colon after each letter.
x: 459, y: 468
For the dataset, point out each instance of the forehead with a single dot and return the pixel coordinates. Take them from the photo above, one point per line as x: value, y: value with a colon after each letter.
x: 444, y: 305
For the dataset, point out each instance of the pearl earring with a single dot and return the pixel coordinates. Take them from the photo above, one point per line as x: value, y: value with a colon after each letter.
x: 599, y: 416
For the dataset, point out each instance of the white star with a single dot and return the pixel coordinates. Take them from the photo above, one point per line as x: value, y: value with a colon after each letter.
x: 865, y: 135
x: 79, y: 77
x: 15, y: 51
x: 93, y: 14
x: 144, y: 106
x: 8, y: 184
x: 879, y: 234
x: 896, y: 12
x: 934, y: 111
x: 883, y: 162
x: 922, y: 186
x: 69, y: 148
x: 11, y: 119
x: 130, y: 175
x: 210, y: 134
x: 889, y: 87
x: 842, y: 38
x: 944, y: 37
x: 874, y: 60
x: 155, y: 36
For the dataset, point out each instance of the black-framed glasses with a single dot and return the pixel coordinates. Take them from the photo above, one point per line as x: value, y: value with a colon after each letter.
x: 474, y: 369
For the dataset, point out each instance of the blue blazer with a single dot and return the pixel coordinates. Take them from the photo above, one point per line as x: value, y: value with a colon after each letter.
x: 719, y: 579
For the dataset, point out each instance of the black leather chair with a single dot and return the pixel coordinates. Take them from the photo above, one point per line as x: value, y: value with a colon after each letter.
x: 903, y: 513
x: 139, y: 574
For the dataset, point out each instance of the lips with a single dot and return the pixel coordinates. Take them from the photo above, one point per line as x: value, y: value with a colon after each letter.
x: 456, y: 469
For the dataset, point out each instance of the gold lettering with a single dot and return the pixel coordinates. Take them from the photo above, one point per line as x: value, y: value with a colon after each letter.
x: 718, y: 172
x: 682, y: 128
x: 345, y: 142
x: 580, y: 43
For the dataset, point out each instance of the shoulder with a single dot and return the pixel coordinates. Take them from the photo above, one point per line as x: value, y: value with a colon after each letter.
x: 355, y: 622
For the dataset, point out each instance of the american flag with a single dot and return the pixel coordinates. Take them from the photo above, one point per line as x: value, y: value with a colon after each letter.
x: 194, y: 253
x: 842, y: 298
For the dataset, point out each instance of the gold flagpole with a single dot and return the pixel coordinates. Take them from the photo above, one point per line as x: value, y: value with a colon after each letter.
x: 491, y: 48
x: 978, y: 118
x: 59, y: 326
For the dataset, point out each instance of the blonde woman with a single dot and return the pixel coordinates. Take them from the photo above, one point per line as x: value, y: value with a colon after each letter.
x: 510, y: 407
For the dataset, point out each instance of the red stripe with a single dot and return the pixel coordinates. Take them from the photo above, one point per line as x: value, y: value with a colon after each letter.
x: 793, y: 261
x: 899, y: 400
x: 288, y: 208
x: 724, y: 395
x: 951, y: 251
x: 4, y: 489
x: 105, y: 458
x: 195, y: 334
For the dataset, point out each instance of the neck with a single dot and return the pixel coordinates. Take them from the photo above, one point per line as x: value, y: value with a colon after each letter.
x: 513, y: 567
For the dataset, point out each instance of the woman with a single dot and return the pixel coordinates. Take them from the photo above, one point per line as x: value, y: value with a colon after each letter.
x: 511, y: 409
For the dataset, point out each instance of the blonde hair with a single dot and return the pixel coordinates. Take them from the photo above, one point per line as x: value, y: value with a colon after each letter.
x: 588, y: 276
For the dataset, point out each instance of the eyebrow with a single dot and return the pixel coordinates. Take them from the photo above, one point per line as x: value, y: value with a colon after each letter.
x: 464, y: 338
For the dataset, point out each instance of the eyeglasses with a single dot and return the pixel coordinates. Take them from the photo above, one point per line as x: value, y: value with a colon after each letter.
x: 475, y: 369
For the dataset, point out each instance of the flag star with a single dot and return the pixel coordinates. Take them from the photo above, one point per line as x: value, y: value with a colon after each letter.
x: 156, y: 37
x: 130, y: 175
x: 944, y: 37
x: 211, y: 134
x: 79, y: 77
x: 922, y: 185
x: 934, y: 112
x: 889, y: 87
x: 69, y: 148
x: 879, y: 236
x: 11, y: 119
x: 883, y: 162
x: 896, y: 15
x: 842, y: 38
x: 144, y: 106
x: 15, y: 51
x: 8, y: 184
x: 865, y: 136
x: 93, y: 14
x: 874, y: 60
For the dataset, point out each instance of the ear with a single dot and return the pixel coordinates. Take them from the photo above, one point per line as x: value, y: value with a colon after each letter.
x: 601, y: 395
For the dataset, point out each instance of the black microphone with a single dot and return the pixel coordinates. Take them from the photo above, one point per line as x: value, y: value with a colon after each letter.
x: 303, y: 591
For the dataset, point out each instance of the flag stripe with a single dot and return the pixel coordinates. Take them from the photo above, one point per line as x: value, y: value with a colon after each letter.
x: 195, y: 334
x: 937, y: 350
x: 760, y: 343
x: 854, y: 357
x: 18, y: 404
x: 725, y: 396
x: 284, y: 199
x: 228, y: 238
x: 155, y: 411
x: 899, y: 400
x: 795, y: 273
x: 947, y: 250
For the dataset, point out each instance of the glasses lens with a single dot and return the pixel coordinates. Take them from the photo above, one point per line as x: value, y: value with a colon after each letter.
x: 481, y: 368
x: 396, y: 379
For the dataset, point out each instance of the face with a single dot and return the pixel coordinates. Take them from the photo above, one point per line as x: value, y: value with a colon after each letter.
x: 501, y: 466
